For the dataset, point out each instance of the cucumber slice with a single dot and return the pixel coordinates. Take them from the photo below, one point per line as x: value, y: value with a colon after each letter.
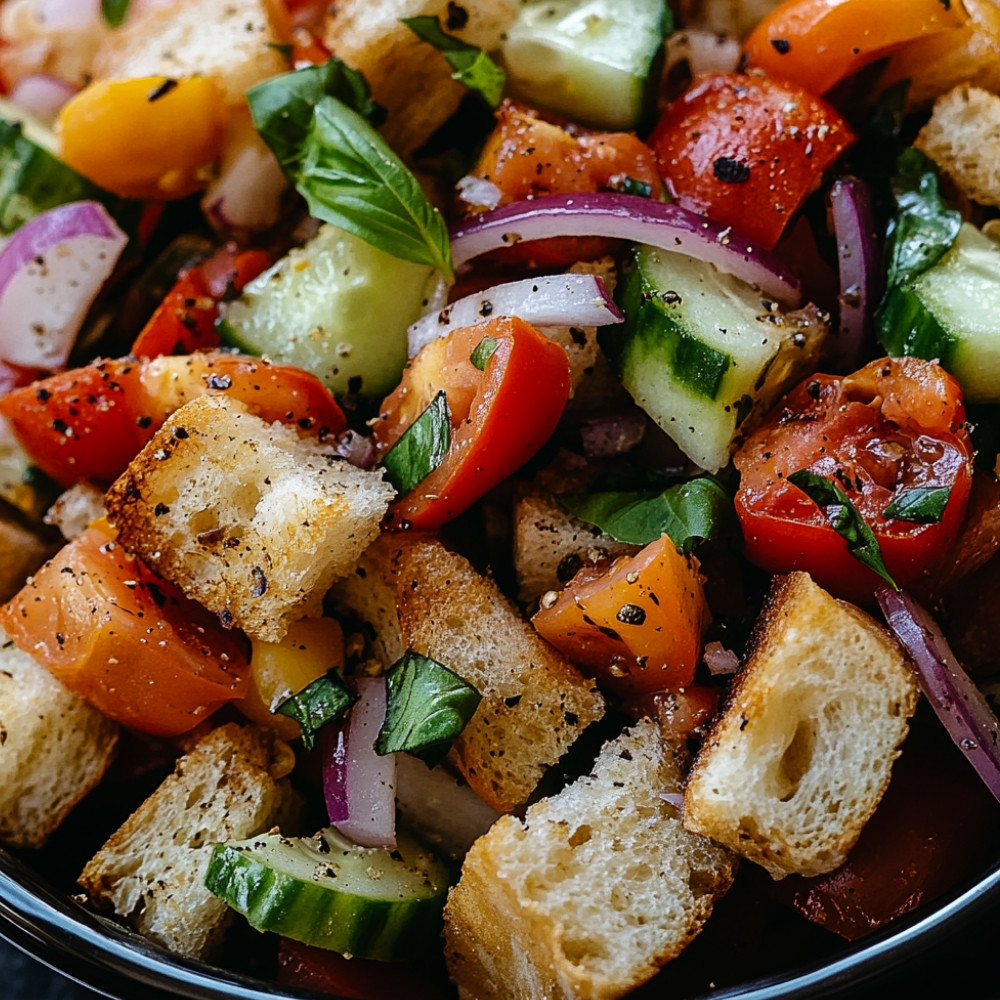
x: 700, y: 351
x: 33, y: 179
x: 951, y: 312
x: 596, y: 61
x: 336, y: 306
x: 326, y: 891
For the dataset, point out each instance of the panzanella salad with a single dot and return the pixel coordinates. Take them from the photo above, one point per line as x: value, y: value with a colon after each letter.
x: 486, y: 484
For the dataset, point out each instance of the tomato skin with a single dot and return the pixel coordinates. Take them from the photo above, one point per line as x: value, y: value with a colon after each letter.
x: 895, y: 424
x: 126, y: 641
x: 636, y: 624
x: 185, y: 320
x: 747, y: 150
x: 90, y: 422
x: 528, y: 157
x: 828, y: 40
x: 499, y: 417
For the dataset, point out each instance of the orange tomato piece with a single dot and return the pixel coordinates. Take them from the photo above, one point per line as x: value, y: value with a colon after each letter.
x: 151, y: 137
x: 817, y: 43
x: 637, y: 625
x: 129, y: 643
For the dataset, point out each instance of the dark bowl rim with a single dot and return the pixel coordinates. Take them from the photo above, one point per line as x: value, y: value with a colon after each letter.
x: 63, y: 934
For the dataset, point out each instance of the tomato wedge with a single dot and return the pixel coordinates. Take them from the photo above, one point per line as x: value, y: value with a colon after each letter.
x: 185, y: 319
x: 637, y: 624
x: 499, y: 415
x: 747, y: 150
x: 817, y: 43
x: 90, y: 422
x: 527, y: 157
x: 893, y: 427
x: 126, y: 641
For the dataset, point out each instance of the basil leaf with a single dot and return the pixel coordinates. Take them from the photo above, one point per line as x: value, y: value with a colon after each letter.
x: 421, y: 448
x: 427, y: 707
x: 114, y: 11
x: 325, y: 700
x: 844, y: 519
x: 690, y: 512
x: 630, y: 185
x: 315, y: 125
x: 921, y: 505
x: 472, y: 67
x: 484, y: 350
x: 923, y: 228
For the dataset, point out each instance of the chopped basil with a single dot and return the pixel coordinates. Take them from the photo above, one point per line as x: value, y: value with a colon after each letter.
x: 325, y: 700
x: 484, y: 350
x: 924, y: 227
x: 316, y: 126
x: 844, y: 519
x: 921, y: 505
x: 689, y: 512
x: 285, y: 51
x: 114, y: 11
x: 422, y: 446
x: 472, y: 67
x: 629, y: 185
x: 427, y: 707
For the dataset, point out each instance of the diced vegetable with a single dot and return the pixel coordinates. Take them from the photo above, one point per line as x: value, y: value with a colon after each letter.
x: 326, y: 891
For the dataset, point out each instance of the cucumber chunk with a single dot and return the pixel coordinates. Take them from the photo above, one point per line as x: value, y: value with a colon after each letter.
x: 326, y: 891
x: 700, y: 351
x: 595, y: 61
x: 336, y: 306
x: 951, y: 312
x: 33, y: 179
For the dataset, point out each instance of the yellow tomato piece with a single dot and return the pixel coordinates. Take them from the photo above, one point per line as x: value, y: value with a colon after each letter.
x: 151, y: 137
x: 281, y: 669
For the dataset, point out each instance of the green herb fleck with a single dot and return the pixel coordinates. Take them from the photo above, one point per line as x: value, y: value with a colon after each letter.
x: 114, y: 11
x: 921, y: 505
x: 323, y: 701
x: 484, y: 350
x: 421, y: 448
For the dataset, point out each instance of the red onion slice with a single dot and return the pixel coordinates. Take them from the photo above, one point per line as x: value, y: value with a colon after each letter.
x: 359, y: 785
x: 860, y: 273
x: 958, y: 703
x: 51, y: 270
x: 41, y: 95
x: 626, y: 217
x: 557, y: 300
x: 719, y: 660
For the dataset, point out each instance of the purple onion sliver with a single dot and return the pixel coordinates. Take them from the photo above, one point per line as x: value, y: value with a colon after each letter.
x: 333, y: 741
x: 555, y: 300
x: 358, y: 449
x: 956, y: 700
x: 860, y: 273
x: 719, y: 660
x: 632, y: 218
x: 612, y: 434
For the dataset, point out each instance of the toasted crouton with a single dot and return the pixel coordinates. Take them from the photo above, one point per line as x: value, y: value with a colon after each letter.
x: 22, y: 549
x: 152, y: 869
x: 534, y: 702
x: 592, y: 893
x: 550, y: 545
x: 250, y: 519
x: 54, y: 748
x: 408, y: 76
x: 801, y: 756
x: 963, y: 137
x: 236, y: 42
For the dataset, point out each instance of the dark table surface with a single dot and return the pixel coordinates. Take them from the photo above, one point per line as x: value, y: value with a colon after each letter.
x: 962, y: 968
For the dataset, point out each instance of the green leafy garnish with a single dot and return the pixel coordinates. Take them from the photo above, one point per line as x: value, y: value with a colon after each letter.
x: 921, y: 505
x: 472, y: 67
x: 924, y: 227
x: 630, y: 185
x: 484, y: 350
x: 690, y: 512
x: 427, y: 707
x: 285, y: 51
x: 323, y: 701
x: 114, y: 11
x: 421, y: 448
x: 316, y: 126
x: 844, y: 518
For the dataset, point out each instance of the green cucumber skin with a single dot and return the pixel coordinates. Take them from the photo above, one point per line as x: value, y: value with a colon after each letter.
x: 951, y: 313
x: 317, y: 912
x: 700, y: 350
x: 605, y: 74
x: 337, y: 307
